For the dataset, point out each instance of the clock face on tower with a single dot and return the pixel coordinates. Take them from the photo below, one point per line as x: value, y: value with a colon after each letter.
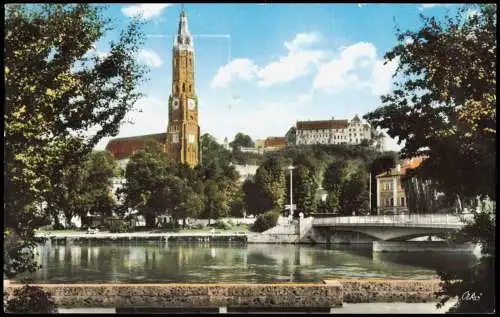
x: 175, y: 104
x: 191, y: 104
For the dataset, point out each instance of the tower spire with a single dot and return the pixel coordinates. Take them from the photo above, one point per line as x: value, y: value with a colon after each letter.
x: 183, y: 40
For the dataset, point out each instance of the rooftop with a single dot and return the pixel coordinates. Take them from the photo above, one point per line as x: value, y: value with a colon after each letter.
x: 123, y: 148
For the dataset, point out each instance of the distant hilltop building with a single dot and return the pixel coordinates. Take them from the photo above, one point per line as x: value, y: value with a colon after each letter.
x: 332, y: 132
x: 274, y: 143
x: 182, y: 138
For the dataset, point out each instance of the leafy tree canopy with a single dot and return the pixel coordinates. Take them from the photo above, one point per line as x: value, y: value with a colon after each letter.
x: 444, y: 102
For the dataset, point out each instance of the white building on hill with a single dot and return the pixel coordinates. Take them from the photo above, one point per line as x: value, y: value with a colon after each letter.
x: 333, y: 132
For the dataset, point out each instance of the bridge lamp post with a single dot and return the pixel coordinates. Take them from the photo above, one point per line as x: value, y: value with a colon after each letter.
x: 291, y: 168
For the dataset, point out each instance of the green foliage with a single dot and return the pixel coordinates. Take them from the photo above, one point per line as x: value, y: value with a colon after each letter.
x: 117, y: 225
x: 254, y: 199
x: 219, y: 224
x: 354, y: 194
x: 479, y: 279
x: 270, y: 177
x: 146, y: 178
x: 304, y: 190
x: 265, y: 221
x: 85, y: 187
x: 214, y: 156
x: 291, y: 136
x: 216, y: 200
x: 444, y: 105
x: 54, y: 94
x: 241, y: 140
x: 31, y: 299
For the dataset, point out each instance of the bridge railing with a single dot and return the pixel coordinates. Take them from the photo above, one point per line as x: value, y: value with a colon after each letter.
x: 402, y: 219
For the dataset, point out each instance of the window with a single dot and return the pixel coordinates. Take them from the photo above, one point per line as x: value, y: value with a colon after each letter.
x: 183, y: 87
x: 190, y: 88
x: 392, y: 202
x: 175, y: 138
x: 387, y: 185
x: 387, y: 202
x: 402, y: 201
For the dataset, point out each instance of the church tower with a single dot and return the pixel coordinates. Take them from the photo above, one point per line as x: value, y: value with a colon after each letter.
x: 183, y: 132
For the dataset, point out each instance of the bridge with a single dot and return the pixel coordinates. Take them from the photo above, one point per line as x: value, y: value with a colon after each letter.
x: 387, y: 227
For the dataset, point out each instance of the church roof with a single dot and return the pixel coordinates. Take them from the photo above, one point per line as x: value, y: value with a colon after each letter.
x: 123, y: 148
x: 322, y: 124
x: 356, y: 118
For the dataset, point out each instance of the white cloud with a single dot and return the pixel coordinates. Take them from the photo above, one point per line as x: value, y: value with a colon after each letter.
x: 95, y: 52
x: 381, y: 82
x: 408, y: 40
x: 302, y: 40
x: 150, y: 58
x: 433, y: 5
x: 361, y: 5
x: 345, y: 71
x: 242, y: 68
x: 337, y: 74
x: 147, y: 10
x: 290, y: 67
x: 298, y: 62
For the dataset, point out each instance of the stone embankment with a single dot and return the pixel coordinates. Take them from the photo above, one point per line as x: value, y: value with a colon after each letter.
x: 387, y: 291
x: 194, y: 295
x: 329, y: 294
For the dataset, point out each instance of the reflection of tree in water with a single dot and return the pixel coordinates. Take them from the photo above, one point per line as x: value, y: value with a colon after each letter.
x: 428, y: 260
x: 156, y: 262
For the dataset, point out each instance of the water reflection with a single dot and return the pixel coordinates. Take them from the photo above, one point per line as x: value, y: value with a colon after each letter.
x: 155, y: 262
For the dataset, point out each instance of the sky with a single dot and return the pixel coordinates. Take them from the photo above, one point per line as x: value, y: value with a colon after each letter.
x: 260, y: 68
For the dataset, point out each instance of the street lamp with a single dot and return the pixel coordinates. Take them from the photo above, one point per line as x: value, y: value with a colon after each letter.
x: 291, y: 168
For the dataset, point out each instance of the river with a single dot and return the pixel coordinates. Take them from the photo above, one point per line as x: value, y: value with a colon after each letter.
x: 157, y: 262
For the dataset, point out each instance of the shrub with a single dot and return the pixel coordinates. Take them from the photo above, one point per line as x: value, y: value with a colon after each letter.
x: 31, y: 299
x: 265, y: 221
x: 219, y: 224
x: 117, y: 225
x: 197, y: 226
x: 170, y: 226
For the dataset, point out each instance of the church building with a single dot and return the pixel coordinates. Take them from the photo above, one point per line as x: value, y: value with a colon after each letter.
x: 182, y: 138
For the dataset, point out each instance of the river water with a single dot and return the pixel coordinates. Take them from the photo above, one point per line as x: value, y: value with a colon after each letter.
x: 157, y: 262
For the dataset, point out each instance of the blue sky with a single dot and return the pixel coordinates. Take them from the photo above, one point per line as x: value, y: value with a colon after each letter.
x: 260, y: 68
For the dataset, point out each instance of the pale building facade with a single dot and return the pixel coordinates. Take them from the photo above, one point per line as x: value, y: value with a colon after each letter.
x: 332, y: 132
x: 391, y: 197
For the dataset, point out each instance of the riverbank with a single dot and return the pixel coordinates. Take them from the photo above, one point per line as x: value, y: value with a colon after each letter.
x: 330, y: 293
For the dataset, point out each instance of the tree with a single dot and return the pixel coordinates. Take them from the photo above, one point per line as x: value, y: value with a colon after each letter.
x: 256, y: 202
x: 55, y: 95
x: 86, y: 188
x: 146, y: 182
x: 291, y: 136
x: 444, y: 104
x: 444, y: 107
x: 304, y: 190
x: 241, y: 140
x: 354, y: 194
x: 270, y: 177
x: 181, y: 200
x: 214, y: 155
x: 216, y: 202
